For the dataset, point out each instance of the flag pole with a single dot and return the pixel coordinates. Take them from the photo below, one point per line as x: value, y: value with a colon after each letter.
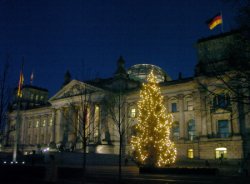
x: 222, y: 26
x: 18, y: 117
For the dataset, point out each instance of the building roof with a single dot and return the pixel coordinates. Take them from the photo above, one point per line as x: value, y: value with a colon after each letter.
x: 222, y: 35
x: 34, y: 87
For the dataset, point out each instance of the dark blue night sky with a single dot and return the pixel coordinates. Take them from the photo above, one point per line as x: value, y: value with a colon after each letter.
x: 88, y: 36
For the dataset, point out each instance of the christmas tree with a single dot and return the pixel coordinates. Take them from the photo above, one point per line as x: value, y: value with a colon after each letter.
x: 151, y: 146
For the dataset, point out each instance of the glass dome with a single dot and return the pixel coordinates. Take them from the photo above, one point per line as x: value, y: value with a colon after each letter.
x: 140, y: 72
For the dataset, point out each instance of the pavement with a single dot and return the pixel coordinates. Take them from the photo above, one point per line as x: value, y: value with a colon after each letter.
x: 131, y: 175
x: 228, y: 173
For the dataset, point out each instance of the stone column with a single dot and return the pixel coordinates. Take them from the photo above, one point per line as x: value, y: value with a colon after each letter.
x: 53, y: 127
x: 58, y: 126
x: 204, y: 108
x: 91, y: 121
x: 197, y: 113
x: 32, y: 125
x: 102, y: 123
x: 46, y: 134
x: 99, y: 125
x: 182, y: 123
x: 39, y: 130
x: 26, y: 127
x: 22, y: 130
x: 79, y: 122
x: 71, y: 124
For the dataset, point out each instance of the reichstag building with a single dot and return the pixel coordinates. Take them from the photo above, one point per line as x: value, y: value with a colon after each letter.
x: 210, y: 120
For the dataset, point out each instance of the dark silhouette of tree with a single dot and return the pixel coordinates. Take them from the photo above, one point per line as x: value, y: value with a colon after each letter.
x: 242, y: 15
x: 116, y: 105
x: 4, y: 96
x: 228, y: 71
x: 79, y: 101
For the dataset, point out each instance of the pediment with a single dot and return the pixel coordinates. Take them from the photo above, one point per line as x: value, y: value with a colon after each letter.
x: 74, y: 88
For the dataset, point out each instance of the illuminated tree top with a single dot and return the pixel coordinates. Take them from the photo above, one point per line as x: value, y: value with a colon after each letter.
x: 151, y: 144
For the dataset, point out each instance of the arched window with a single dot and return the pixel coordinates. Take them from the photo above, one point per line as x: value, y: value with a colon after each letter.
x: 191, y: 129
x: 176, y: 130
x: 132, y: 112
x: 220, y: 153
x: 173, y: 105
x: 44, y: 123
x: 188, y: 103
x: 221, y: 100
x: 37, y: 124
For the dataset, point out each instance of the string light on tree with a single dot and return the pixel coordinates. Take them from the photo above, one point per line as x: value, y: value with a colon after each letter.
x: 151, y: 145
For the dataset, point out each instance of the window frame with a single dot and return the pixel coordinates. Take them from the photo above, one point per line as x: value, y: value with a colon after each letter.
x: 219, y: 151
x: 189, y: 103
x: 176, y: 125
x: 174, y: 107
x: 190, y: 153
x: 133, y: 112
x: 223, y: 134
x: 191, y: 131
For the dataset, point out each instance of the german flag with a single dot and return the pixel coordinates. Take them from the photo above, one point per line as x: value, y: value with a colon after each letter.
x: 20, y: 84
x: 216, y: 20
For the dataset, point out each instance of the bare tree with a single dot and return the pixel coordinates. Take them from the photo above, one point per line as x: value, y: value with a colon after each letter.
x: 229, y: 74
x: 116, y: 106
x: 242, y: 15
x: 80, y: 120
x: 4, y: 96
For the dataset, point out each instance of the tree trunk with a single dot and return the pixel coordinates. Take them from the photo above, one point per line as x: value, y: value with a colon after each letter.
x: 84, y: 146
x: 120, y: 159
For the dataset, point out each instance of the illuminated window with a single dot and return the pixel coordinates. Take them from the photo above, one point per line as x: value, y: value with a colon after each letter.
x: 37, y: 124
x: 190, y: 153
x: 44, y: 123
x: 32, y: 96
x: 132, y: 114
x: 190, y: 105
x: 50, y: 122
x: 220, y: 153
x: 37, y: 97
x: 41, y: 98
